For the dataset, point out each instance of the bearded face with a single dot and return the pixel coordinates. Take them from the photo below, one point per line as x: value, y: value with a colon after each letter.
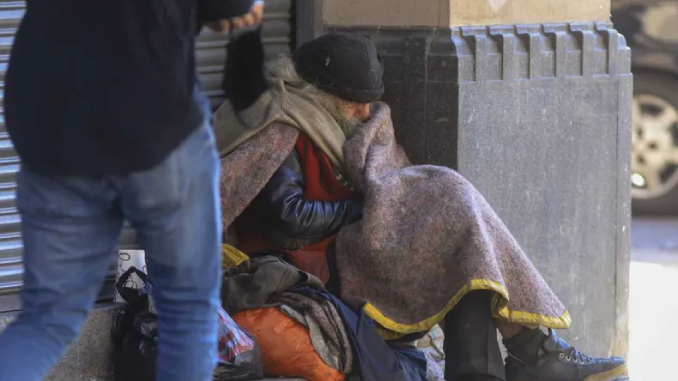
x: 348, y: 115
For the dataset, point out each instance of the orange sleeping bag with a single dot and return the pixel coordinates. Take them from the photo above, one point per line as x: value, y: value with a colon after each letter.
x: 285, y: 345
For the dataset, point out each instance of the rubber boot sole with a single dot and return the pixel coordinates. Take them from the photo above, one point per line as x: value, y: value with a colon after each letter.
x: 620, y: 373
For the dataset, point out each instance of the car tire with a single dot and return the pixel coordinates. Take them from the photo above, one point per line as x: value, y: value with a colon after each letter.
x: 665, y: 87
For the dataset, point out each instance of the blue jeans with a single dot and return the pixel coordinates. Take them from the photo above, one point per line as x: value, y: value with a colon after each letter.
x: 70, y: 228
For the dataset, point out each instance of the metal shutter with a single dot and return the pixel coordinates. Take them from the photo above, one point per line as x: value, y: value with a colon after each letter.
x: 11, y: 13
x: 210, y: 54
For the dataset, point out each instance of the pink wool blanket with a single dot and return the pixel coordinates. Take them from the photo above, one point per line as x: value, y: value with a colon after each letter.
x: 426, y: 239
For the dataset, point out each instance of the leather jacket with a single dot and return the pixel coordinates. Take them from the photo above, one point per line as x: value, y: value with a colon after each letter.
x: 291, y: 221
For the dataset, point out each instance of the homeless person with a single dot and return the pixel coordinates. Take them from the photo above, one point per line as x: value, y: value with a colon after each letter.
x: 313, y: 170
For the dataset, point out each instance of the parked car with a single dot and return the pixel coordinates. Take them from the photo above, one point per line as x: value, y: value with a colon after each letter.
x: 651, y: 30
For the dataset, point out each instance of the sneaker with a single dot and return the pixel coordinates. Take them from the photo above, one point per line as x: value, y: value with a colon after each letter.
x: 554, y: 360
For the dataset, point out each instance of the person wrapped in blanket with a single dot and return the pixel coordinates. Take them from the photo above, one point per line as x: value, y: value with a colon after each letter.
x: 307, y: 201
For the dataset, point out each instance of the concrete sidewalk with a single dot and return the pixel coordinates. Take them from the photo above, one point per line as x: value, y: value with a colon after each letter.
x: 653, y: 315
x: 89, y: 358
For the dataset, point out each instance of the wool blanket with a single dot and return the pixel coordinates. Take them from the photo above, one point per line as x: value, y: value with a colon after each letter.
x: 426, y: 239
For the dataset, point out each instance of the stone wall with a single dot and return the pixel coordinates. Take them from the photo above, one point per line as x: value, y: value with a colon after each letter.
x: 446, y: 13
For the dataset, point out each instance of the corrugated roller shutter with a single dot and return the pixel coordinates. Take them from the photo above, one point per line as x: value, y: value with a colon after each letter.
x: 11, y: 13
x: 210, y: 54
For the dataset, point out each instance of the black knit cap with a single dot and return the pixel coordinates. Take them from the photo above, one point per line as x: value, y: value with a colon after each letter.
x: 343, y: 64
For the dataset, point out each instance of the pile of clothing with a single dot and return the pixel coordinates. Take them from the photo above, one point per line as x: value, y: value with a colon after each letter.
x: 305, y: 331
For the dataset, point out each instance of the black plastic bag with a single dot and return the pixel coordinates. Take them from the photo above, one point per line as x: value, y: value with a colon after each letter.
x: 135, y: 340
x: 134, y: 332
x: 135, y: 360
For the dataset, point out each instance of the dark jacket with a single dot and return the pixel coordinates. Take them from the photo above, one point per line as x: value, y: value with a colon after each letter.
x: 212, y: 10
x: 102, y: 87
x: 291, y: 220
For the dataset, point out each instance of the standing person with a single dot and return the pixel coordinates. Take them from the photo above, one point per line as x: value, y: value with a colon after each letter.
x: 103, y: 107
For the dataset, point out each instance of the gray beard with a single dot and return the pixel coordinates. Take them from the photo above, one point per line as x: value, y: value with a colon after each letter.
x: 348, y: 126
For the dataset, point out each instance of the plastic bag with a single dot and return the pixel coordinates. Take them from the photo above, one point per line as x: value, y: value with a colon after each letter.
x: 239, y: 355
x: 135, y: 340
x: 134, y: 332
x: 136, y: 359
x: 286, y: 346
x: 432, y: 345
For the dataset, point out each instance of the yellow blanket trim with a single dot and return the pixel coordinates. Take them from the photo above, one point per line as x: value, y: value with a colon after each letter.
x: 393, y: 330
x: 390, y: 330
x: 231, y: 257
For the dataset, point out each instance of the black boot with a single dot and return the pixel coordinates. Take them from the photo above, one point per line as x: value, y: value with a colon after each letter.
x: 535, y: 356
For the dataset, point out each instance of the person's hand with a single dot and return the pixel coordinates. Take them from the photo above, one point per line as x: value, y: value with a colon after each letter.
x: 250, y: 19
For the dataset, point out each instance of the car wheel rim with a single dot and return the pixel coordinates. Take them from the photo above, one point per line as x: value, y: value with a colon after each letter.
x: 654, y: 159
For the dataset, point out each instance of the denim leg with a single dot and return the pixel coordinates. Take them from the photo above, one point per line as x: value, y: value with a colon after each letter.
x: 70, y: 228
x: 175, y: 209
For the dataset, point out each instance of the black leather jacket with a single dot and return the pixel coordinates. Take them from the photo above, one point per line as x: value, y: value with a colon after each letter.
x: 290, y: 221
